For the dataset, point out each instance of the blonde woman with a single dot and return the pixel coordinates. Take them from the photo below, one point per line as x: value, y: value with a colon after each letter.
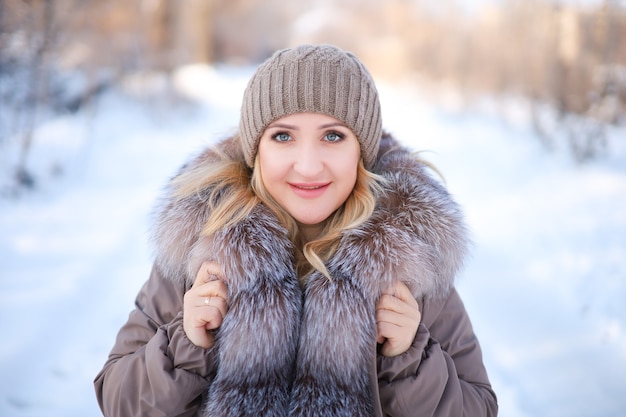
x: 304, y: 267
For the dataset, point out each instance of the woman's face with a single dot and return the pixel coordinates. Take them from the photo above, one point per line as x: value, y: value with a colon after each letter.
x: 308, y: 164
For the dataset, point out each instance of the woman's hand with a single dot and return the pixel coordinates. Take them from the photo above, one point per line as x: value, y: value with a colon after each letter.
x: 397, y: 319
x: 205, y: 305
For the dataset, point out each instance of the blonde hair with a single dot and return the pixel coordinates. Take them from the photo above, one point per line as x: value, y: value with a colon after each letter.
x: 236, y: 190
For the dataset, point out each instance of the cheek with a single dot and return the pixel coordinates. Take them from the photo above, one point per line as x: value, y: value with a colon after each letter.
x: 347, y: 173
x: 351, y: 184
x: 271, y: 170
x: 349, y: 167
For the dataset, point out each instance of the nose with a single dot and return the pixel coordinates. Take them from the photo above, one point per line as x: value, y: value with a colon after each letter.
x: 309, y: 160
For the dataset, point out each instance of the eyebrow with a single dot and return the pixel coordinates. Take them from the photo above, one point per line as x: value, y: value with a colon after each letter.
x: 283, y: 126
x: 333, y: 124
x: 294, y: 127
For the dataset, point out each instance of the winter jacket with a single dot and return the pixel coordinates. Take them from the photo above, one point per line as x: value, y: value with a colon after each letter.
x: 283, y: 350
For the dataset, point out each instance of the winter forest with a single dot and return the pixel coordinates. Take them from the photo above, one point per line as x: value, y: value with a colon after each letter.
x: 520, y: 104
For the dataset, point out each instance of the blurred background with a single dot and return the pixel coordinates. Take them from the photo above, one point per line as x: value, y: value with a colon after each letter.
x: 59, y: 55
x: 520, y: 103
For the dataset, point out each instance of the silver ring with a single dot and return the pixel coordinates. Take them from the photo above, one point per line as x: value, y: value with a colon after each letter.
x: 206, y: 301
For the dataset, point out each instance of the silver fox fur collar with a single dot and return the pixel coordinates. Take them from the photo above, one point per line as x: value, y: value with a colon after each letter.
x: 287, y: 351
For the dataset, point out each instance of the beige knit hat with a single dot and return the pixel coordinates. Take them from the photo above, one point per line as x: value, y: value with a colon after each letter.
x: 312, y: 78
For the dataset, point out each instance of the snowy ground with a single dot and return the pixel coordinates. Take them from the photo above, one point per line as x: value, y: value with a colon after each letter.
x: 545, y: 286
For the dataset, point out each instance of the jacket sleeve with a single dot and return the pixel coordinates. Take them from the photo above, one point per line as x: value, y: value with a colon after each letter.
x: 442, y: 374
x: 153, y: 369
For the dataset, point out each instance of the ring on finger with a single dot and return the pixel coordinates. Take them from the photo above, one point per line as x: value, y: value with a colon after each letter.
x: 206, y: 301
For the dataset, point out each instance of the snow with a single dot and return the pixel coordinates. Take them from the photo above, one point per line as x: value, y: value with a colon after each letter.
x: 544, y: 287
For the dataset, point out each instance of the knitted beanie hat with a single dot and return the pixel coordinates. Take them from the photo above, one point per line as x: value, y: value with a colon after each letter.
x: 317, y: 79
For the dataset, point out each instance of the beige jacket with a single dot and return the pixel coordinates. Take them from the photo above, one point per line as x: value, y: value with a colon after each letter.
x: 154, y: 370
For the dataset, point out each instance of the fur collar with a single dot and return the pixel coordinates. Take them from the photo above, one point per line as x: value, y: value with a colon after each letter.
x: 287, y: 351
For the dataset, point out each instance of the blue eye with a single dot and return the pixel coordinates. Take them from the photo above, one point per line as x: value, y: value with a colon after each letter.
x: 281, y: 137
x: 334, y: 136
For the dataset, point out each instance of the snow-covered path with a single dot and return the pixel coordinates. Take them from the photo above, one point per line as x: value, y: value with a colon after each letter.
x: 545, y: 286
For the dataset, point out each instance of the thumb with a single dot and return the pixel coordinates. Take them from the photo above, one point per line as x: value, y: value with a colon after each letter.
x: 209, y: 271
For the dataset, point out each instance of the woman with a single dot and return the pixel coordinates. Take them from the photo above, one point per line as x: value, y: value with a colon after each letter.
x: 304, y: 267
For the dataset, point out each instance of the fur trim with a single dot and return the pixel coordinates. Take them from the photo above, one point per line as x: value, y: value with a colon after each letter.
x: 281, y: 353
x: 416, y: 234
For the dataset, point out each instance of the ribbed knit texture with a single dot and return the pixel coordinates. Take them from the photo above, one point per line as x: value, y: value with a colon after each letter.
x: 317, y: 79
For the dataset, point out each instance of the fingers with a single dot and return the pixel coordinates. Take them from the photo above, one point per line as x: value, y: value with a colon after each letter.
x: 209, y: 281
x: 214, y: 302
x: 209, y: 271
x: 208, y: 300
x: 391, y: 319
x: 400, y: 290
x: 397, y: 299
x: 203, y: 313
x: 397, y: 319
x: 205, y: 305
x: 210, y: 290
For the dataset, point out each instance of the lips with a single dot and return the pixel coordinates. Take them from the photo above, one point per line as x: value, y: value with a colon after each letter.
x: 309, y: 190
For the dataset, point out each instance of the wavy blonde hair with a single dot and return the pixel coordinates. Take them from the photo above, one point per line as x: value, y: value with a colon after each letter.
x: 236, y: 190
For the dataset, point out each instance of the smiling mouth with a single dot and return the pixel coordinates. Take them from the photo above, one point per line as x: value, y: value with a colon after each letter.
x: 309, y: 190
x: 309, y: 187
